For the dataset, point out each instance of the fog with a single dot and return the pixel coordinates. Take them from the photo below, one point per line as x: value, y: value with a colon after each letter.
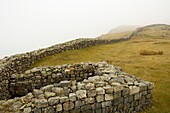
x: 27, y: 25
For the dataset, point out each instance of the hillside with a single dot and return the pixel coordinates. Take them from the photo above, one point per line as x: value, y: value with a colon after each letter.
x: 123, y: 28
x: 119, y: 32
x: 115, y: 35
x: 150, y: 31
x: 153, y: 31
x: 126, y: 54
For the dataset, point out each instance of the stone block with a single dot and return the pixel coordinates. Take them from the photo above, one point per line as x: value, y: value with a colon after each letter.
x: 72, y: 97
x: 142, y: 87
x: 36, y: 92
x: 53, y: 101
x: 66, y: 91
x: 73, y: 89
x: 117, y: 87
x: 94, y: 79
x: 136, y: 96
x: 47, y: 88
x: 81, y: 86
x: 49, y: 94
x: 125, y: 91
x: 100, y: 84
x: 65, y: 83
x: 59, y: 107
x: 100, y: 90
x: 37, y: 110
x: 133, y: 90
x: 41, y: 103
x: 81, y: 94
x: 59, y: 91
x: 89, y: 86
x: 75, y: 110
x: 49, y: 109
x: 98, y: 105
x: 106, y: 104
x: 90, y: 100
x: 91, y: 92
x: 108, y: 89
x: 79, y: 103
x: 68, y: 106
x: 64, y: 99
x: 117, y: 94
x: 108, y: 97
x: 27, y: 110
x: 100, y: 98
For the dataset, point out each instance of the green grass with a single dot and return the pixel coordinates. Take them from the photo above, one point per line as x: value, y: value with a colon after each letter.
x: 155, y: 68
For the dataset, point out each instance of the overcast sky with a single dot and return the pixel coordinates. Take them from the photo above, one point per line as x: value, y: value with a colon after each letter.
x: 26, y: 25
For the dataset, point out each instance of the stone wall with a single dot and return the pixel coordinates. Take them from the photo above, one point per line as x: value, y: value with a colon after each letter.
x: 21, y: 84
x: 20, y: 62
x: 85, y: 87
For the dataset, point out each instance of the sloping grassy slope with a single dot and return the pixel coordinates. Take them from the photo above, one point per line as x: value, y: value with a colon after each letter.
x: 154, y: 31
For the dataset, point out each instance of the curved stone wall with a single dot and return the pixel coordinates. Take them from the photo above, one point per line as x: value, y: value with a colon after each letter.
x: 85, y: 87
x: 20, y: 62
x: 21, y: 84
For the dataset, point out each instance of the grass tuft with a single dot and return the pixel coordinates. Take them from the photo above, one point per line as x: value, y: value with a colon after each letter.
x: 151, y: 52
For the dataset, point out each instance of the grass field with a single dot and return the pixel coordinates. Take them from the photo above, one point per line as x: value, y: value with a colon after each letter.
x: 154, y: 68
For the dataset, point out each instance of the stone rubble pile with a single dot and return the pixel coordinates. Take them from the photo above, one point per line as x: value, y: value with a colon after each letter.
x: 95, y: 87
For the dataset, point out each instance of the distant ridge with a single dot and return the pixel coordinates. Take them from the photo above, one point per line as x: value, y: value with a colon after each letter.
x: 123, y: 28
x: 154, y: 30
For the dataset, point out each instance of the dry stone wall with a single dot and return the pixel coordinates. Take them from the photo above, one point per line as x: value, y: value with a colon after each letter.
x: 21, y: 84
x: 20, y: 62
x: 86, y: 87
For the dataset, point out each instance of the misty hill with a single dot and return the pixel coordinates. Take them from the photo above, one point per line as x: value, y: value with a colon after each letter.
x: 119, y: 32
x: 153, y: 31
x: 115, y: 35
x: 123, y: 28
